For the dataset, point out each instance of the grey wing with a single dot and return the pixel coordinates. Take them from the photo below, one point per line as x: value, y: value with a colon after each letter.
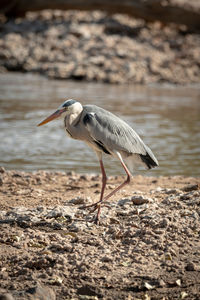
x: 112, y: 132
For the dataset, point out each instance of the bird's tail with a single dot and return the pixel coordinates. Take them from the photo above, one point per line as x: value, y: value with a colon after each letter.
x: 147, y: 160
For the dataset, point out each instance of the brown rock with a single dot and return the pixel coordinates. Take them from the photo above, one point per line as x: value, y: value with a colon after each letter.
x: 2, y: 170
x: 190, y: 187
x: 6, y: 296
x: 190, y: 267
x: 41, y: 292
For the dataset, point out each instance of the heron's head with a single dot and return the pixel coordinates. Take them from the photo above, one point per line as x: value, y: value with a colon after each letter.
x: 68, y: 107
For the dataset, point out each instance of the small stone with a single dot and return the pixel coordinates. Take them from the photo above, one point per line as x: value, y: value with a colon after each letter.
x: 178, y: 282
x: 154, y: 180
x: 71, y: 173
x: 60, y: 211
x: 162, y: 283
x: 84, y: 177
x: 185, y: 197
x: 183, y: 295
x: 123, y: 201
x: 16, y: 238
x: 106, y: 259
x: 190, y: 187
x: 80, y: 200
x: 171, y: 191
x: 163, y: 223
x: 6, y: 296
x: 139, y: 200
x: 168, y: 257
x: 190, y: 267
x: 2, y: 170
x: 149, y: 286
x: 56, y: 280
x: 41, y: 292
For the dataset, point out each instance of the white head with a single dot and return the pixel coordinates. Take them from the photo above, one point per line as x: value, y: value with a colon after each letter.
x: 69, y: 107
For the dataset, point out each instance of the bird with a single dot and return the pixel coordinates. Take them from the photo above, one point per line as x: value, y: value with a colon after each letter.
x: 107, y: 134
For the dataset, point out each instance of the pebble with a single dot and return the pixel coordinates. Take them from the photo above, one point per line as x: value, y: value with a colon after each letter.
x: 178, y: 282
x: 162, y: 283
x: 158, y: 189
x: 106, y: 259
x: 190, y: 267
x: 190, y: 187
x: 2, y: 170
x: 185, y: 196
x: 6, y: 296
x: 123, y: 201
x: 171, y: 191
x: 139, y: 200
x: 80, y: 200
x: 84, y: 177
x: 163, y: 223
x: 59, y: 211
x: 41, y: 292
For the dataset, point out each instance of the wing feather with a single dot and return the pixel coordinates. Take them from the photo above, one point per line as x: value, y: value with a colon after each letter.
x: 111, y: 131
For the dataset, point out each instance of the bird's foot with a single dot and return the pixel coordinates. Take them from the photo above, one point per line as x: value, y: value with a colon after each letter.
x: 91, y: 205
x: 96, y: 206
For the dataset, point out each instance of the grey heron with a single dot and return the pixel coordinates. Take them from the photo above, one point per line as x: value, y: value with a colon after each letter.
x: 105, y: 133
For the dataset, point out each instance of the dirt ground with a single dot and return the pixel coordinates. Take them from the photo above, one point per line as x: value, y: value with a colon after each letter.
x: 146, y: 246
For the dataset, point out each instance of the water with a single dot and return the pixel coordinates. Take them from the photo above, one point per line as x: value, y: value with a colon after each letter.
x: 167, y: 118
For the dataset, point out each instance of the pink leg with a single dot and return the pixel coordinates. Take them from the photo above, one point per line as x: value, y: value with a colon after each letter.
x: 97, y: 205
x: 104, y: 180
x: 128, y: 179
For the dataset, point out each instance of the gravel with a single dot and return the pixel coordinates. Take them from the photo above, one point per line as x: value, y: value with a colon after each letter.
x: 145, y: 250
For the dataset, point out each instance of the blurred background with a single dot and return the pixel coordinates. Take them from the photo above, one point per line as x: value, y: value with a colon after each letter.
x: 139, y: 59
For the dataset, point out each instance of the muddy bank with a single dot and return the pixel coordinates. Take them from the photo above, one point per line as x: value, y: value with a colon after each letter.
x: 97, y: 47
x: 147, y: 246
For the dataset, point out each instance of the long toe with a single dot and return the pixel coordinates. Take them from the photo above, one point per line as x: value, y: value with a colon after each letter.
x: 97, y: 219
x: 91, y: 205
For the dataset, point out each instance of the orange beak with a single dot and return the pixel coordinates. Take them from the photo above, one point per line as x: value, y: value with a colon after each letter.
x: 55, y: 115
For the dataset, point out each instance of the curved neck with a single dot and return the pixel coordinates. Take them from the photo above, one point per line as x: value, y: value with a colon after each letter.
x: 73, y: 118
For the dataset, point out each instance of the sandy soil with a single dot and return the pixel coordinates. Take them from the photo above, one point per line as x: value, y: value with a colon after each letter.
x: 146, y: 247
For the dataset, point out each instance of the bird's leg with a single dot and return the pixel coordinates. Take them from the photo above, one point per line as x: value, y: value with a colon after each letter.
x: 104, y: 180
x: 98, y: 204
x: 128, y: 179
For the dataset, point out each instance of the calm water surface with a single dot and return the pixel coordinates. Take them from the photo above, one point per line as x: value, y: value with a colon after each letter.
x: 167, y: 118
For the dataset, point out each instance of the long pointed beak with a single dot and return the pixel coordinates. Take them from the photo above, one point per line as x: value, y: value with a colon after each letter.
x: 55, y: 115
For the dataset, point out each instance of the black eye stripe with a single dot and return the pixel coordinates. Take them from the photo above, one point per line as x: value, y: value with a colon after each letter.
x: 68, y: 103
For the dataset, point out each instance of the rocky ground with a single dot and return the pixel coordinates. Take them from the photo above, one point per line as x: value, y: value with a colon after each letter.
x: 146, y: 247
x: 98, y: 47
